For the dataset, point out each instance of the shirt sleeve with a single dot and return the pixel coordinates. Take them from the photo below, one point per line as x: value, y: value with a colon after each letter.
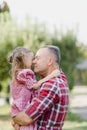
x: 47, y: 96
x: 26, y: 77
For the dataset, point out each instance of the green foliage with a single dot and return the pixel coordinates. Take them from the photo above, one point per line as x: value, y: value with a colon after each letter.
x: 4, y: 7
x: 69, y: 54
x: 36, y: 34
x: 33, y: 36
x: 73, y: 121
x: 9, y: 38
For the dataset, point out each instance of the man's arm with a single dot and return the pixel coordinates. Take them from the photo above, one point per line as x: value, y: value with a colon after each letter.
x: 22, y: 119
x: 46, y: 98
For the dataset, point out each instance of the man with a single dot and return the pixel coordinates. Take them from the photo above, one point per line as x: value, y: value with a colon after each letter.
x: 50, y: 106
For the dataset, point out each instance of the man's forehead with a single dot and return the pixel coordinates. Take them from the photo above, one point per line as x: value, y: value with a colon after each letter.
x: 42, y: 52
x: 38, y: 54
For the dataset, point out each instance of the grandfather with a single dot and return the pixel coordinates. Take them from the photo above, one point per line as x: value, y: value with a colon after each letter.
x: 50, y: 106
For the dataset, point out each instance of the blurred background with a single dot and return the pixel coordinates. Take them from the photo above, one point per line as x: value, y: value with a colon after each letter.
x: 62, y: 23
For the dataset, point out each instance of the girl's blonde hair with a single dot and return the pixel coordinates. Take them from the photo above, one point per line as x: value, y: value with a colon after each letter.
x: 16, y: 58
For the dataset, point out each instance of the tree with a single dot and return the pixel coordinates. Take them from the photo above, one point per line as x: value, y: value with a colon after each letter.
x: 10, y: 37
x: 4, y: 7
x: 70, y: 54
x: 33, y: 36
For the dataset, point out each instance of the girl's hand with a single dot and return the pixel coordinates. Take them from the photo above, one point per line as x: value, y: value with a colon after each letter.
x: 36, y: 85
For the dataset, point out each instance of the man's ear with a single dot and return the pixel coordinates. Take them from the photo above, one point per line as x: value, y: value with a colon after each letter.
x: 50, y: 61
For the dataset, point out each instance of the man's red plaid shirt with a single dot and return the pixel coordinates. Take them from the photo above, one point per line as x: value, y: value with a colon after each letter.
x: 50, y: 106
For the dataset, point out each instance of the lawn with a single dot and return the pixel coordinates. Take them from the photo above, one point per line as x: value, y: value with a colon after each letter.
x: 73, y: 122
x: 5, y: 119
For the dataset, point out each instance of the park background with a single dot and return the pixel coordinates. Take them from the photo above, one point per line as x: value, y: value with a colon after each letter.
x: 32, y: 34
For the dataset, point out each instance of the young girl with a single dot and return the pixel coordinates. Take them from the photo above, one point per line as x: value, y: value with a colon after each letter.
x: 24, y: 84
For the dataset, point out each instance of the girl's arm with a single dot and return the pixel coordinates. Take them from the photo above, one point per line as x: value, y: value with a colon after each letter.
x: 55, y: 73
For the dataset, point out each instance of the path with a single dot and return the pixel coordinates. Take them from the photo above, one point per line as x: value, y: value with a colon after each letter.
x: 78, y: 103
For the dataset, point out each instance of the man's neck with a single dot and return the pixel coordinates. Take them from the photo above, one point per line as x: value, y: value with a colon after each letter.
x: 44, y: 74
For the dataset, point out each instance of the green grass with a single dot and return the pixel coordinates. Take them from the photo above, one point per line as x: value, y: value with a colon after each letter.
x: 73, y: 121
x: 5, y: 119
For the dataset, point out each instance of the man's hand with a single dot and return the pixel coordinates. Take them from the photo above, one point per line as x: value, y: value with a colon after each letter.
x: 16, y: 126
x: 22, y: 119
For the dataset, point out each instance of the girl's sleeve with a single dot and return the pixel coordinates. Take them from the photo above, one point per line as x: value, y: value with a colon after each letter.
x: 27, y: 78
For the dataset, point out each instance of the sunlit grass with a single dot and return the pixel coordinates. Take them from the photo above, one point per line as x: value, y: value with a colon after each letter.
x: 5, y: 111
x: 69, y: 125
x: 5, y: 124
x: 5, y: 119
x: 73, y: 121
